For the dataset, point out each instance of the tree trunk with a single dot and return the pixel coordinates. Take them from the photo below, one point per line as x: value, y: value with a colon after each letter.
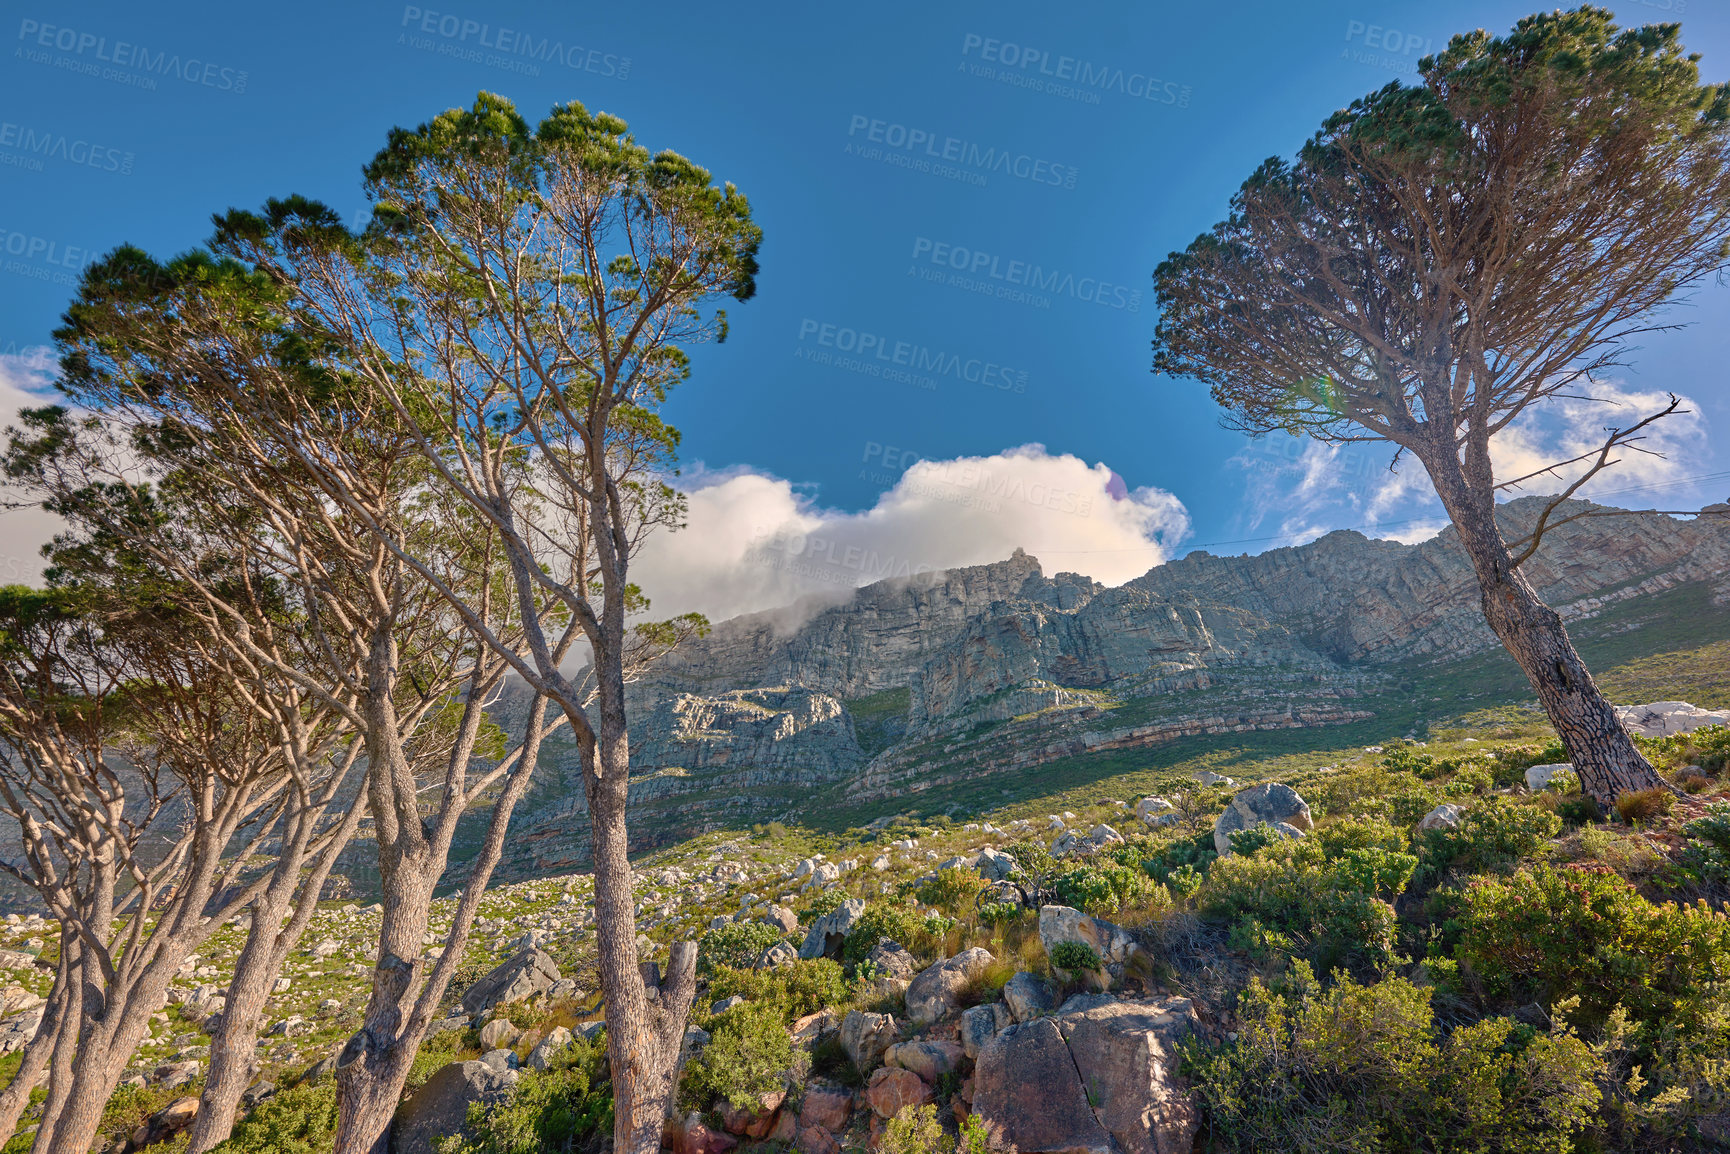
x: 61, y: 1054
x: 16, y: 1096
x: 1600, y: 750
x: 643, y: 1037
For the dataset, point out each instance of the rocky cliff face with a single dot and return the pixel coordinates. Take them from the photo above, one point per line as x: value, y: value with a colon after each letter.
x: 762, y: 712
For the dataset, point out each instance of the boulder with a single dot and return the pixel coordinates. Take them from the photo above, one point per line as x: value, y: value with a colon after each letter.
x: 499, y: 1032
x: 440, y: 1108
x: 928, y: 1059
x: 830, y: 931
x: 688, y: 1135
x: 165, y: 1123
x: 864, y: 1036
x: 18, y: 1000
x: 754, y: 1123
x: 826, y: 1106
x: 1112, y: 943
x: 17, y: 1031
x: 978, y: 1026
x: 1025, y: 1084
x: 522, y: 976
x: 1538, y: 776
x: 892, y: 1090
x: 1662, y: 718
x: 779, y: 954
x: 725, y: 1004
x: 1270, y: 803
x: 937, y: 992
x: 995, y: 865
x: 816, y: 1140
x: 1154, y: 811
x: 1103, y: 835
x: 1444, y: 816
x: 557, y: 1041
x: 813, y: 1028
x: 892, y: 960
x: 1126, y: 1056
x: 781, y: 918
x: 1028, y: 996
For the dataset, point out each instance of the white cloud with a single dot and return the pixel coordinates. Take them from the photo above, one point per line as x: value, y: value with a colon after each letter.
x: 26, y: 380
x: 756, y: 542
x: 1297, y: 490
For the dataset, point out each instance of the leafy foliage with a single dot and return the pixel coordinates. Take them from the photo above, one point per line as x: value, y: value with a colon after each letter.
x: 559, y: 1109
x: 749, y: 1054
x: 1076, y: 957
x: 299, y: 1120
x: 735, y: 944
x: 951, y: 889
x: 796, y: 990
x: 1493, y: 832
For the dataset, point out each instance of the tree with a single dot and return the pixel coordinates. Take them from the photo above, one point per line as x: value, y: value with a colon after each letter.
x: 1442, y: 258
x: 520, y: 298
x: 172, y: 366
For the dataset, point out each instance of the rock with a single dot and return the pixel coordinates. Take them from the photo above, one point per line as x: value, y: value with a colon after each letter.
x: 826, y: 1106
x: 781, y: 918
x: 813, y: 1027
x: 1662, y: 718
x: 1444, y: 816
x: 440, y: 1107
x: 892, y: 960
x: 1112, y: 943
x: 1208, y: 777
x: 1126, y: 1056
x: 1103, y: 835
x: 824, y: 876
x: 16, y: 960
x: 563, y: 990
x: 779, y: 954
x: 499, y: 1032
x: 172, y: 1074
x: 1270, y: 803
x: 1149, y: 808
x: 816, y: 1140
x: 725, y: 1004
x: 523, y: 976
x: 165, y: 1123
x: 754, y: 1124
x: 864, y: 1036
x: 978, y: 1026
x: 892, y: 1090
x: 829, y: 932
x: 501, y: 1059
x: 936, y: 993
x: 1538, y: 776
x: 688, y: 1135
x: 557, y: 1041
x: 1083, y: 1002
x: 256, y: 1093
x: 928, y: 1059
x: 16, y: 1031
x: 995, y: 865
x: 1025, y: 1084
x: 1027, y: 996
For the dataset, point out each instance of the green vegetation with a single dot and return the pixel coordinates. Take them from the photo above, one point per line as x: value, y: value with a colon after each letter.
x: 735, y: 944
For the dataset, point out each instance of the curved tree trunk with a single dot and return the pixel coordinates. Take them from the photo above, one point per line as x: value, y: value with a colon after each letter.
x: 1603, y: 755
x: 16, y: 1096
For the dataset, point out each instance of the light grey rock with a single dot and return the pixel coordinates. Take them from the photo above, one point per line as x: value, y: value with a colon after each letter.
x: 1538, y: 776
x: 725, y: 1004
x: 891, y: 960
x: 829, y: 932
x: 779, y: 954
x: 1663, y: 718
x: 1027, y: 996
x: 440, y: 1108
x: 995, y: 865
x: 1444, y: 816
x: 522, y: 976
x: 1270, y: 803
x: 781, y: 918
x: 978, y: 1026
x: 936, y: 993
x: 865, y: 1036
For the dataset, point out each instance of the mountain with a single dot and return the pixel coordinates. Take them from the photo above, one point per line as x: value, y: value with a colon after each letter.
x: 948, y: 683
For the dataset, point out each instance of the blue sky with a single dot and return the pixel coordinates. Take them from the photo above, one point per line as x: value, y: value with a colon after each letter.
x: 860, y: 134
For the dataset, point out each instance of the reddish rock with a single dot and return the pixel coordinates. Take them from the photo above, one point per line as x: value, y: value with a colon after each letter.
x: 165, y: 1123
x: 1126, y: 1055
x: 892, y: 1089
x: 755, y: 1123
x: 1025, y: 1083
x: 786, y: 1128
x: 827, y: 1106
x: 689, y: 1136
x: 816, y: 1140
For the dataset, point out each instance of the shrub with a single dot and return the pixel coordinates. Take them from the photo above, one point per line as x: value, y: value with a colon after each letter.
x: 915, y: 1130
x: 749, y: 1054
x: 1582, y: 931
x: 1101, y: 888
x: 1643, y: 805
x: 796, y: 990
x: 823, y: 904
x: 1705, y: 856
x: 1493, y: 832
x: 1076, y: 957
x: 735, y: 944
x: 897, y: 923
x: 1469, y: 780
x: 300, y: 1120
x: 1358, y: 1068
x: 1000, y: 913
x: 951, y: 889
x: 1245, y: 842
x: 556, y: 1109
